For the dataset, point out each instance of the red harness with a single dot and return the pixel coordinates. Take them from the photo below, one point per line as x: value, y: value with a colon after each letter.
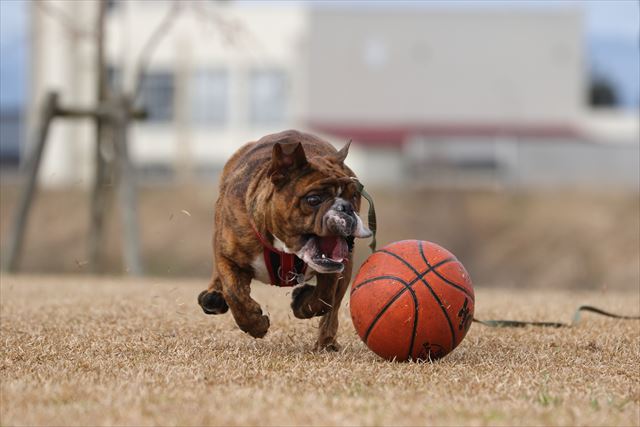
x: 284, y: 269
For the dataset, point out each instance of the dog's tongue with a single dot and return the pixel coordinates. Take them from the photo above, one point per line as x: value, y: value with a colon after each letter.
x: 334, y: 247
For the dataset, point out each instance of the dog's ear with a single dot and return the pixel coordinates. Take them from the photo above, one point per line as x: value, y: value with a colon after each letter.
x: 342, y: 153
x: 285, y: 158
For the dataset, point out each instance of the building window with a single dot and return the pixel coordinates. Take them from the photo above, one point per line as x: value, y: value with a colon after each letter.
x: 210, y: 97
x: 157, y: 95
x: 268, y: 96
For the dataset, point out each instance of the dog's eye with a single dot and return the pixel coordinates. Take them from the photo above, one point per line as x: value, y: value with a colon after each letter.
x: 313, y: 200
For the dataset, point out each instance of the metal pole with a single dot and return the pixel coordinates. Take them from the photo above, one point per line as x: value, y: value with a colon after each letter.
x: 31, y: 167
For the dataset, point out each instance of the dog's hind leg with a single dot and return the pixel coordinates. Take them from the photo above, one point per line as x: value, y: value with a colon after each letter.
x: 212, y: 301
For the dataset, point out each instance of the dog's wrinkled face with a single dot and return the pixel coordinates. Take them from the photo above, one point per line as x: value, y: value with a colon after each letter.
x: 314, y: 206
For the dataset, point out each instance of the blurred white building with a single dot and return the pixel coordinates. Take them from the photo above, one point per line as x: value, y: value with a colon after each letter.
x: 442, y: 96
x: 469, y: 96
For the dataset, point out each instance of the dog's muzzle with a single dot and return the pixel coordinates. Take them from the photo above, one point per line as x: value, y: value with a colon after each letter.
x: 342, y: 220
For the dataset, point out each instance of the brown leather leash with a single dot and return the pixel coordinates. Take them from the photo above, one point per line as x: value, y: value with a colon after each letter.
x: 576, y: 319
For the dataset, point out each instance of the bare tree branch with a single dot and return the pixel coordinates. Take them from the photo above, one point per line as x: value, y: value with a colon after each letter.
x: 144, y: 59
x: 233, y: 31
x: 65, y: 20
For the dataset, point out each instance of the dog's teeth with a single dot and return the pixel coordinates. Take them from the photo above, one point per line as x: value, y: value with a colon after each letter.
x: 324, y: 256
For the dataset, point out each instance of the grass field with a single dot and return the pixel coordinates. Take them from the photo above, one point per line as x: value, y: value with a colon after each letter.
x: 86, y: 351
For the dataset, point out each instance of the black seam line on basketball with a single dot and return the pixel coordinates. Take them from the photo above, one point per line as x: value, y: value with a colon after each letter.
x: 424, y: 273
x: 444, y: 311
x: 374, y: 279
x: 435, y: 296
x: 407, y: 286
x: 444, y: 279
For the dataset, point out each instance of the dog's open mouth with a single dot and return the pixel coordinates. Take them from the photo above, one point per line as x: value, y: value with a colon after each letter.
x: 325, y: 254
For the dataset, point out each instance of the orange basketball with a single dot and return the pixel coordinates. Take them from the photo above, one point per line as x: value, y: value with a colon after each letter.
x: 412, y: 300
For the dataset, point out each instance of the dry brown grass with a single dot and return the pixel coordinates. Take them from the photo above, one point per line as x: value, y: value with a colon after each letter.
x: 79, y: 350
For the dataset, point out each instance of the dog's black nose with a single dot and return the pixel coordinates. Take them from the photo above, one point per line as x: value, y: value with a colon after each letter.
x: 344, y: 206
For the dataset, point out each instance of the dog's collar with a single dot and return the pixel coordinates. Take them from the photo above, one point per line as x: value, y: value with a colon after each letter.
x: 284, y: 269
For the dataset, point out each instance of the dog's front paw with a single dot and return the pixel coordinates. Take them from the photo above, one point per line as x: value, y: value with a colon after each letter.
x: 299, y: 296
x: 258, y: 328
x: 327, y: 345
x: 212, y: 302
x: 304, y: 307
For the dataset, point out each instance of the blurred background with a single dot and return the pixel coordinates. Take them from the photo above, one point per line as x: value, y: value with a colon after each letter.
x: 507, y: 132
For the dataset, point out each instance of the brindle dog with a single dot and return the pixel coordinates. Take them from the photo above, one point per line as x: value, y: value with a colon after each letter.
x: 294, y: 190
